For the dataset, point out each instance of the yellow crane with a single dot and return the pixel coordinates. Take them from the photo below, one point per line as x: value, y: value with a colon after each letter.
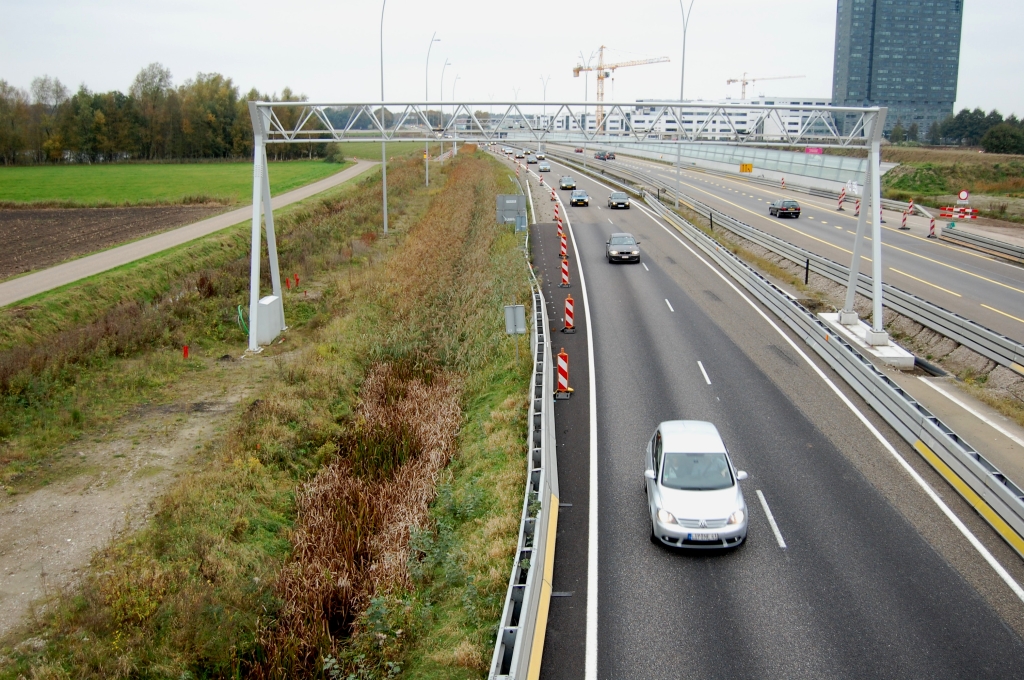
x: 605, y: 71
x: 744, y: 80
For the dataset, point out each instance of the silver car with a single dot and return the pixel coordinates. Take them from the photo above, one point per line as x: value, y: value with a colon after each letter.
x: 622, y: 247
x: 693, y: 490
x: 543, y: 166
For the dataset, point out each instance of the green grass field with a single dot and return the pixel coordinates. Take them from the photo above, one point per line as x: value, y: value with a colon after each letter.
x: 151, y: 183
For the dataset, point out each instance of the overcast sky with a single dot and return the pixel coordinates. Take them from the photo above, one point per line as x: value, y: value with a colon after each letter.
x: 330, y: 50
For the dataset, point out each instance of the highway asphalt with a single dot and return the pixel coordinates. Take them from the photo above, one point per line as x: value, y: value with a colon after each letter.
x: 873, y: 581
x: 982, y: 288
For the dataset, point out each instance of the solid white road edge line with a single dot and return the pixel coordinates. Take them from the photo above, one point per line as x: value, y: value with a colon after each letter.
x: 669, y: 305
x: 918, y: 479
x: 590, y: 665
x: 771, y: 519
x: 988, y: 421
x: 704, y: 373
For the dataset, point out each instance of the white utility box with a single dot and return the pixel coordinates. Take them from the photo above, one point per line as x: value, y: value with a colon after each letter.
x: 269, y: 319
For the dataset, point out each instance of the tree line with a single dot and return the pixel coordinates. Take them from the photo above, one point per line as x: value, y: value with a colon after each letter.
x: 205, y: 117
x: 989, y: 130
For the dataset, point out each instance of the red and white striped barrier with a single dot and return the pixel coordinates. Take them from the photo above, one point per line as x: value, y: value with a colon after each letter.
x: 856, y: 211
x: 553, y: 197
x: 783, y: 182
x: 842, y: 197
x: 931, y: 228
x: 563, y: 391
x: 959, y: 213
x: 562, y: 244
x: 569, y: 324
x: 903, y: 225
x: 910, y: 208
x: 565, y: 274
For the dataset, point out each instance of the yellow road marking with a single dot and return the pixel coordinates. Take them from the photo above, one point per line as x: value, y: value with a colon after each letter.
x: 962, y: 271
x: 1003, y: 313
x: 983, y: 508
x: 909, y: 276
x: 537, y: 647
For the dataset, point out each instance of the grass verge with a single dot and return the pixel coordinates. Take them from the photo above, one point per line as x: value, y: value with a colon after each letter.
x: 201, y: 591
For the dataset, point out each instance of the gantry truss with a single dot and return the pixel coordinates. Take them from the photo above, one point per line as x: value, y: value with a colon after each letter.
x: 748, y: 124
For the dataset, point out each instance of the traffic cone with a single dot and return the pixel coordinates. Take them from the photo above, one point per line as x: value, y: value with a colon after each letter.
x: 565, y: 274
x: 563, y: 391
x: 569, y: 327
x: 842, y: 197
x: 856, y: 210
x: 904, y: 227
x: 562, y: 244
x: 783, y: 182
x: 931, y: 228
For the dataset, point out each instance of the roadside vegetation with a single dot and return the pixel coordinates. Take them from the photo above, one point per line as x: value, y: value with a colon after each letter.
x: 359, y: 519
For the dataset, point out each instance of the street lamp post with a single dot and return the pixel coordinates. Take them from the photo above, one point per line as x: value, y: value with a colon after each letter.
x: 383, y: 145
x: 679, y: 115
x: 426, y: 98
x: 544, y: 82
x: 446, y: 64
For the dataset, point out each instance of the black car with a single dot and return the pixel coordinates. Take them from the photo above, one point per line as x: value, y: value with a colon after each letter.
x: 566, y: 182
x: 784, y: 208
x: 609, y: 156
x: 579, y: 197
x: 601, y: 156
x: 622, y: 247
x: 618, y: 199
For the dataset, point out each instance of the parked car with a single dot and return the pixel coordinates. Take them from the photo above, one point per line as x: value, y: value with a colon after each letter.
x: 579, y: 197
x: 622, y: 247
x: 543, y: 166
x: 693, y: 492
x: 618, y: 199
x: 601, y: 155
x: 566, y: 182
x: 784, y: 207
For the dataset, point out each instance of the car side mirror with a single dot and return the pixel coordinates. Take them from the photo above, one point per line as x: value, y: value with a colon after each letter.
x: 649, y: 474
x: 607, y: 243
x: 741, y: 475
x: 638, y: 242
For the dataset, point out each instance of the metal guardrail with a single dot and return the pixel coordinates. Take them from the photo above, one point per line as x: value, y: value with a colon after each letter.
x: 985, y: 341
x: 988, y: 245
x: 996, y: 498
x: 524, y: 617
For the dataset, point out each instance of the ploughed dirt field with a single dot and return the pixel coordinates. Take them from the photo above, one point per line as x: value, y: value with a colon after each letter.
x: 34, y: 239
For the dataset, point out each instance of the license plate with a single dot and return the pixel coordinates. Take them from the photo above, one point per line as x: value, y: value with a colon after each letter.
x: 702, y: 537
x: 624, y: 257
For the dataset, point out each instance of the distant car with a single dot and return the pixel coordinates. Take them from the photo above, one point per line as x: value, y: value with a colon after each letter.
x: 784, y: 208
x: 609, y: 156
x: 601, y: 155
x: 566, y: 182
x: 618, y: 199
x: 520, y: 154
x: 622, y: 247
x: 531, y: 159
x: 543, y: 166
x: 541, y: 156
x: 579, y: 149
x: 579, y: 197
x: 693, y: 492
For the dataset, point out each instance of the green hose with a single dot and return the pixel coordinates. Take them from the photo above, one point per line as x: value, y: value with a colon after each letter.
x: 241, y: 321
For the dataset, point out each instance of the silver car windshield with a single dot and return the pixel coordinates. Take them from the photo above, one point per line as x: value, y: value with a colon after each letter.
x: 622, y: 241
x: 696, y: 471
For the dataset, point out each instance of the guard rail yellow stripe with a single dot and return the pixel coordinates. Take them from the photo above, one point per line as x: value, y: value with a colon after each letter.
x: 537, y: 647
x: 984, y: 509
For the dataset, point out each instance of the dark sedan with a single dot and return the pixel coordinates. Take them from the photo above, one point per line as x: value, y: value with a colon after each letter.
x: 622, y: 247
x: 566, y: 182
x: 579, y: 197
x: 784, y: 208
x: 618, y: 199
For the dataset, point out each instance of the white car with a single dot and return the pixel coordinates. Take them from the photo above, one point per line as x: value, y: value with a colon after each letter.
x: 693, y: 490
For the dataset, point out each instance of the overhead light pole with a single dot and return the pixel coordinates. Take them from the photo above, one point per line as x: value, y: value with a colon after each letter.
x: 455, y: 113
x: 426, y: 98
x: 383, y: 145
x: 679, y: 113
x: 446, y: 64
x: 544, y: 83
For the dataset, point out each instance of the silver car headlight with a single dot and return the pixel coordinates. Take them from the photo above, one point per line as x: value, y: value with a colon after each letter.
x: 613, y: 252
x: 636, y: 252
x: 736, y: 517
x: 666, y: 517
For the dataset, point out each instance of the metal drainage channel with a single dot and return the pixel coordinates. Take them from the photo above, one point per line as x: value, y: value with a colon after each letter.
x: 520, y: 639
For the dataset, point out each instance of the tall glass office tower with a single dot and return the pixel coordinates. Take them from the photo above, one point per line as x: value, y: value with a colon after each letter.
x: 903, y: 54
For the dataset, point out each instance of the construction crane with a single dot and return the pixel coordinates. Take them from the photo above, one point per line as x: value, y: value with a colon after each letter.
x: 744, y: 80
x: 606, y: 71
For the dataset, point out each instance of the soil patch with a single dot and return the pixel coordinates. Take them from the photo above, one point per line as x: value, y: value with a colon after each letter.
x: 34, y: 239
x: 48, y: 536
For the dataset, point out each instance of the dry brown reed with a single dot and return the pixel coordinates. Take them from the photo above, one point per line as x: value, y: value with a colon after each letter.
x: 352, y: 533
